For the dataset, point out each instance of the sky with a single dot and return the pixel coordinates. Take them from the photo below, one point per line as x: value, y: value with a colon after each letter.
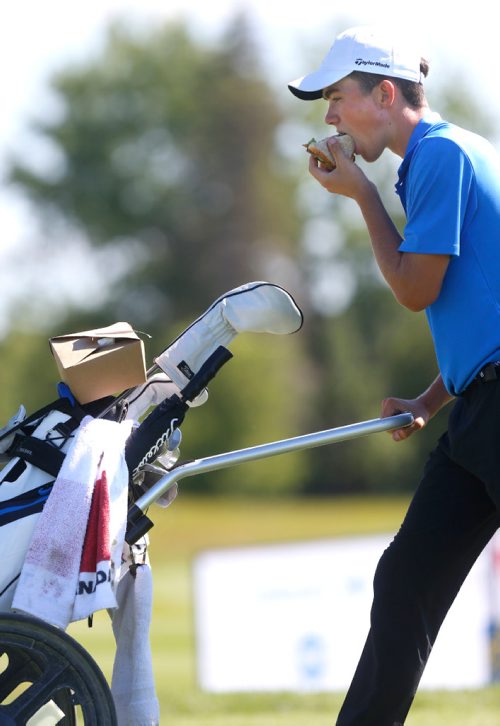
x: 36, y: 39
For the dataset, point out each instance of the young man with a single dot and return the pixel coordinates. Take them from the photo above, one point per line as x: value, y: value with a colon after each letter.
x: 448, y: 263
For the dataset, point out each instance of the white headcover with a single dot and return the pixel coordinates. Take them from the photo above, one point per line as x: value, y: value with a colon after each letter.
x: 257, y: 307
x: 157, y: 389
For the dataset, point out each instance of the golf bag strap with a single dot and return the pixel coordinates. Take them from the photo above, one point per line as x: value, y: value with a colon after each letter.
x: 61, y: 404
x: 37, y: 452
x: 25, y: 504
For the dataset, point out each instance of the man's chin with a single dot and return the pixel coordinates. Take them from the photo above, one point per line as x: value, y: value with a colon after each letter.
x: 369, y: 155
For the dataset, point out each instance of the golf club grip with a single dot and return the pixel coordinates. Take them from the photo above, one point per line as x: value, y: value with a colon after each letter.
x: 147, y: 440
x: 208, y: 370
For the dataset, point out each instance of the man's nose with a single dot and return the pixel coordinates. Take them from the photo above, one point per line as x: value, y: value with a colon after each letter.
x: 331, y: 118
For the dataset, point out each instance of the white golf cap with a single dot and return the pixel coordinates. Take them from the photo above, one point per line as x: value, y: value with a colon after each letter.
x: 367, y: 49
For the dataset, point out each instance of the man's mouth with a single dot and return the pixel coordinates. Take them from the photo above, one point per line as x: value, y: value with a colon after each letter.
x: 343, y: 133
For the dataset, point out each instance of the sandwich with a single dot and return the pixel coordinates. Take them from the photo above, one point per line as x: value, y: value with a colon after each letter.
x: 321, y: 152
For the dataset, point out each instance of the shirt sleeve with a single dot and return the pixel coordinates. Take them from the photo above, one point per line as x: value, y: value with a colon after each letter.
x: 439, y: 189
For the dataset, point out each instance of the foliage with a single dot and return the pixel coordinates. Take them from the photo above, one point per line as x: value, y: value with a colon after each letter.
x: 29, y: 376
x: 164, y: 151
x: 166, y: 145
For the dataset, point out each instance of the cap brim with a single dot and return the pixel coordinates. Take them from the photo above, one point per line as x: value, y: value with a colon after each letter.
x: 310, y: 87
x: 305, y: 95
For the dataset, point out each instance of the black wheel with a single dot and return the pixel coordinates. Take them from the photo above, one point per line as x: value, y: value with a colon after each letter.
x: 43, y: 670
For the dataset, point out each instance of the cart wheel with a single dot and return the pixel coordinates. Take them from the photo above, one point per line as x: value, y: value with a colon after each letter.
x: 44, y: 672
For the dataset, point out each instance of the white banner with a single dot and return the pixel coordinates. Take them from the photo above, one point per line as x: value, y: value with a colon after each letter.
x: 295, y: 617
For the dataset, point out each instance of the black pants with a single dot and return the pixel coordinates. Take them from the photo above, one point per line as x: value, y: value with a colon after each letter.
x: 454, y: 513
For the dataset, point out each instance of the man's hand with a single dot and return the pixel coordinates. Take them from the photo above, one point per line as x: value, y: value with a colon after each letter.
x: 423, y: 408
x: 346, y: 179
x: 415, y: 406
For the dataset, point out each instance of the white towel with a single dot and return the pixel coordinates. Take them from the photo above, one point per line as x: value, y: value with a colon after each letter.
x: 50, y: 574
x: 132, y: 684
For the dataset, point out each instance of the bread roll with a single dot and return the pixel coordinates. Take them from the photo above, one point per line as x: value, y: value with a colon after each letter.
x: 321, y: 152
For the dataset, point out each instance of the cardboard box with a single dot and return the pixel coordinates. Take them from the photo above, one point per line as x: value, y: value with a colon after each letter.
x: 101, y: 362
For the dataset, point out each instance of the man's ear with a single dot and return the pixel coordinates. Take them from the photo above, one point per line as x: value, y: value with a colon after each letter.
x: 386, y: 92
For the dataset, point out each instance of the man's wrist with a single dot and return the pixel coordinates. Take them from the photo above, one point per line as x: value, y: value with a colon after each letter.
x: 367, y: 193
x: 434, y: 398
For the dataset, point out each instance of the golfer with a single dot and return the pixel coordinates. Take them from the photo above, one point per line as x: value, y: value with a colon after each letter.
x: 448, y: 264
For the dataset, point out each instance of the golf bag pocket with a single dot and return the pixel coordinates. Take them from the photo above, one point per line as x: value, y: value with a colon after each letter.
x: 25, y: 484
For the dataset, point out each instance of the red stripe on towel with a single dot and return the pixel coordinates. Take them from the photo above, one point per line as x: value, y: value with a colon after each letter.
x: 96, y: 547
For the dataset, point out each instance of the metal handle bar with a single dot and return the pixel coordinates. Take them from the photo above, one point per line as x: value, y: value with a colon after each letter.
x: 231, y: 458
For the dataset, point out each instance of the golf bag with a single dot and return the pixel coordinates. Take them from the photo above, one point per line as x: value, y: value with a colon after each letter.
x: 34, y: 447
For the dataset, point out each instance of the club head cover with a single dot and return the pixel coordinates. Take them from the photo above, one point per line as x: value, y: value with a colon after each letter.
x: 157, y: 389
x: 256, y: 307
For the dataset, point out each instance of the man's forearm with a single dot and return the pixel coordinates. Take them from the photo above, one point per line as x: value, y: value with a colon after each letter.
x: 414, y: 278
x: 384, y: 236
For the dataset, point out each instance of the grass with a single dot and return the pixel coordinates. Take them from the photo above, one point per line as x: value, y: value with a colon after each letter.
x: 192, y: 525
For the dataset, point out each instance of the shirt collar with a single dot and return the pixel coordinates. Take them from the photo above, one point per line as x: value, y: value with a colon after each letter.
x: 428, y: 120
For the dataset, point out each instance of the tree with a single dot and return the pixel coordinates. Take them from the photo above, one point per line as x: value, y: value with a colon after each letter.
x: 165, y: 152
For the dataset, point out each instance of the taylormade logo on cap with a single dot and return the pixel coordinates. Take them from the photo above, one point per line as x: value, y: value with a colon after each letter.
x: 379, y: 64
x: 367, y: 49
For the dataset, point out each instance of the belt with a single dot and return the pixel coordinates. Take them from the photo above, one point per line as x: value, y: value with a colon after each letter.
x: 490, y: 372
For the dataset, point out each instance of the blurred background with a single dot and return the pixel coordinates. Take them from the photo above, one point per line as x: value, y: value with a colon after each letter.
x: 151, y: 159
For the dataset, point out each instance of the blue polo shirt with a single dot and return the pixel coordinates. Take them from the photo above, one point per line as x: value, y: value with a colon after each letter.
x: 449, y: 185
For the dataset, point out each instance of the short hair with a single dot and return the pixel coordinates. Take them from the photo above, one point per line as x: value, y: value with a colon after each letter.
x: 412, y: 92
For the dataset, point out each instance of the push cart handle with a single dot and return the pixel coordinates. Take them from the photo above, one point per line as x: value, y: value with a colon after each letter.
x: 232, y: 458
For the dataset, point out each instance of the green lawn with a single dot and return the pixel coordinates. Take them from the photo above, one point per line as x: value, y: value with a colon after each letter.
x: 192, y: 525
